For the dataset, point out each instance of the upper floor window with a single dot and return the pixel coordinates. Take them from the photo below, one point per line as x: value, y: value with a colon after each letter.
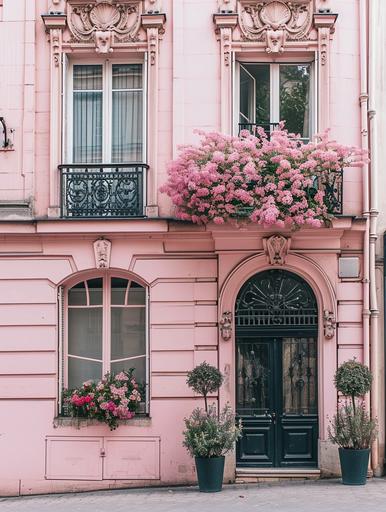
x: 106, y: 329
x: 270, y: 93
x: 106, y: 121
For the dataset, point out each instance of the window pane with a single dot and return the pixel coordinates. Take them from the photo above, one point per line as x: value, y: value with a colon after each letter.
x: 127, y: 332
x: 118, y: 290
x: 140, y: 369
x: 80, y: 370
x: 87, y: 114
x: 127, y: 76
x: 137, y: 295
x: 85, y: 332
x: 261, y: 74
x: 88, y: 78
x: 295, y: 98
x: 95, y: 287
x: 77, y: 295
x: 127, y: 127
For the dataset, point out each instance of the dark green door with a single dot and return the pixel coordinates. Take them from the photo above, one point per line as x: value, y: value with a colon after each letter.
x: 276, y: 373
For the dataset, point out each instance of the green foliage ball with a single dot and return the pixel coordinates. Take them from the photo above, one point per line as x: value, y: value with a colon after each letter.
x: 204, y: 379
x: 353, y: 379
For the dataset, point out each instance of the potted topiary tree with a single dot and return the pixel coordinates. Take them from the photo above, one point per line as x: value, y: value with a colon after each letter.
x: 208, y: 435
x: 351, y: 428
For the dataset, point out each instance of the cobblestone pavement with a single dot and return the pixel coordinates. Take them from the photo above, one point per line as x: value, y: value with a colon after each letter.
x: 326, y: 496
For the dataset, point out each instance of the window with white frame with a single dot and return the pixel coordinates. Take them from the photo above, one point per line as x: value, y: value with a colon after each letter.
x: 106, y: 329
x: 106, y: 119
x: 269, y: 93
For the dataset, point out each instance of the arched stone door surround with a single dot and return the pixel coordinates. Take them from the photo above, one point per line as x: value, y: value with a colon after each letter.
x: 324, y: 292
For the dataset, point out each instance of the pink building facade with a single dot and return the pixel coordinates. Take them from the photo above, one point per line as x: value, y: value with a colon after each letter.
x: 97, y: 275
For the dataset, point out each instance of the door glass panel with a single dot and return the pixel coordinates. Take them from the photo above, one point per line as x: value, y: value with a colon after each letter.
x: 295, y: 98
x: 118, y: 290
x: 77, y: 295
x: 252, y: 378
x: 299, y: 376
x: 95, y: 287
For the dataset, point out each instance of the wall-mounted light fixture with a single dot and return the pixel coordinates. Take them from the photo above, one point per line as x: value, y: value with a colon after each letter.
x: 6, y: 142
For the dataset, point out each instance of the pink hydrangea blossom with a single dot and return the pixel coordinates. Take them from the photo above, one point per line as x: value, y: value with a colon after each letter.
x: 272, y: 181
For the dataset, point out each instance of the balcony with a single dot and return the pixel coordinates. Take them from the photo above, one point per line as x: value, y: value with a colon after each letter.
x: 331, y: 183
x: 103, y: 190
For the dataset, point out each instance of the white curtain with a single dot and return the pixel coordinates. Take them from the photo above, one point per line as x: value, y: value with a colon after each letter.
x: 127, y: 115
x: 87, y: 114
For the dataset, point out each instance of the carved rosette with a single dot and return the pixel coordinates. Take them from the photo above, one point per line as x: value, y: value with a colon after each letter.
x: 102, y: 252
x: 276, y: 248
x: 103, y: 22
x: 275, y: 21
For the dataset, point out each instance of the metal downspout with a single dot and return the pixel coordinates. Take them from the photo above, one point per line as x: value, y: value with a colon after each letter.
x: 374, y: 319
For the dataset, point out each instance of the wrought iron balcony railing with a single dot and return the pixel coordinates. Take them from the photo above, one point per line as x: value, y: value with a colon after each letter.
x: 331, y: 183
x: 103, y: 190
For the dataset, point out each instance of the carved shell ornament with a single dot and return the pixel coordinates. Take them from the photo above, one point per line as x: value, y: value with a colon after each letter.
x: 275, y: 21
x: 100, y: 22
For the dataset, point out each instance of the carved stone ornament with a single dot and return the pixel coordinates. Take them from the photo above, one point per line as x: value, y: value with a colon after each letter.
x: 102, y: 251
x: 102, y: 21
x: 226, y: 6
x: 276, y: 248
x: 329, y: 324
x: 275, y: 21
x: 226, y: 325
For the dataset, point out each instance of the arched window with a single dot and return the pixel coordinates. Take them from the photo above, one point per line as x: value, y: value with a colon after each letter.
x: 106, y: 329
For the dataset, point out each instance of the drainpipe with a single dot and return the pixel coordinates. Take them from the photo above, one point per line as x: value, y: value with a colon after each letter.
x: 374, y: 332
x: 363, y: 99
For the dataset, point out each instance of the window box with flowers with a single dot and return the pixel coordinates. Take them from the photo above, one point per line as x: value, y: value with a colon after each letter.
x: 278, y: 181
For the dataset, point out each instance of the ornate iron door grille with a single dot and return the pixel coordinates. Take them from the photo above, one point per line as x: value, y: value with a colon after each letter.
x: 103, y: 190
x: 278, y: 299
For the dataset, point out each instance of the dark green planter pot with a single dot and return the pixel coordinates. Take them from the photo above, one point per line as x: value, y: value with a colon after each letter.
x: 210, y: 472
x: 354, y: 464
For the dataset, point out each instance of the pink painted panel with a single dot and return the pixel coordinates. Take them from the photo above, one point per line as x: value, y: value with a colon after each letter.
x: 350, y: 335
x: 28, y: 314
x: 349, y: 313
x: 172, y: 361
x: 132, y: 458
x: 206, y: 313
x: 53, y: 269
x: 29, y: 363
x: 169, y: 386
x: 169, y: 337
x: 172, y: 292
x: 210, y: 356
x: 172, y: 313
x: 205, y: 335
x: 344, y: 354
x: 26, y: 291
x: 349, y: 291
x: 71, y: 458
x: 31, y: 337
x: 34, y: 386
x: 173, y: 268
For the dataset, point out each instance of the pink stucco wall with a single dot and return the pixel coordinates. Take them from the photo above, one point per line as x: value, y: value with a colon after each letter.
x: 193, y: 273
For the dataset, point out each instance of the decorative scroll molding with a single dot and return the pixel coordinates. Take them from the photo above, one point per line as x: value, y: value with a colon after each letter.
x: 324, y: 22
x: 154, y: 25
x: 55, y: 24
x: 225, y: 23
x: 226, y: 325
x: 104, y: 21
x: 102, y: 252
x: 276, y: 248
x: 329, y: 324
x: 275, y: 21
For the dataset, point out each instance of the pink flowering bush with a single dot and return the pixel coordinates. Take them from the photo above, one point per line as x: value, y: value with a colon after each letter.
x: 270, y: 181
x: 115, y: 397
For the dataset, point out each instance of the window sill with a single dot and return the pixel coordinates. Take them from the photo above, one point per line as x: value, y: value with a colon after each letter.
x: 78, y: 423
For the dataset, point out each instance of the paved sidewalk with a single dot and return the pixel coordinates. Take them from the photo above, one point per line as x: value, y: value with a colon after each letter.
x: 324, y: 495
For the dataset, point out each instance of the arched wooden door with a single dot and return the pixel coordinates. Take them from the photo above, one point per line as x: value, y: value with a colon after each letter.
x: 276, y: 371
